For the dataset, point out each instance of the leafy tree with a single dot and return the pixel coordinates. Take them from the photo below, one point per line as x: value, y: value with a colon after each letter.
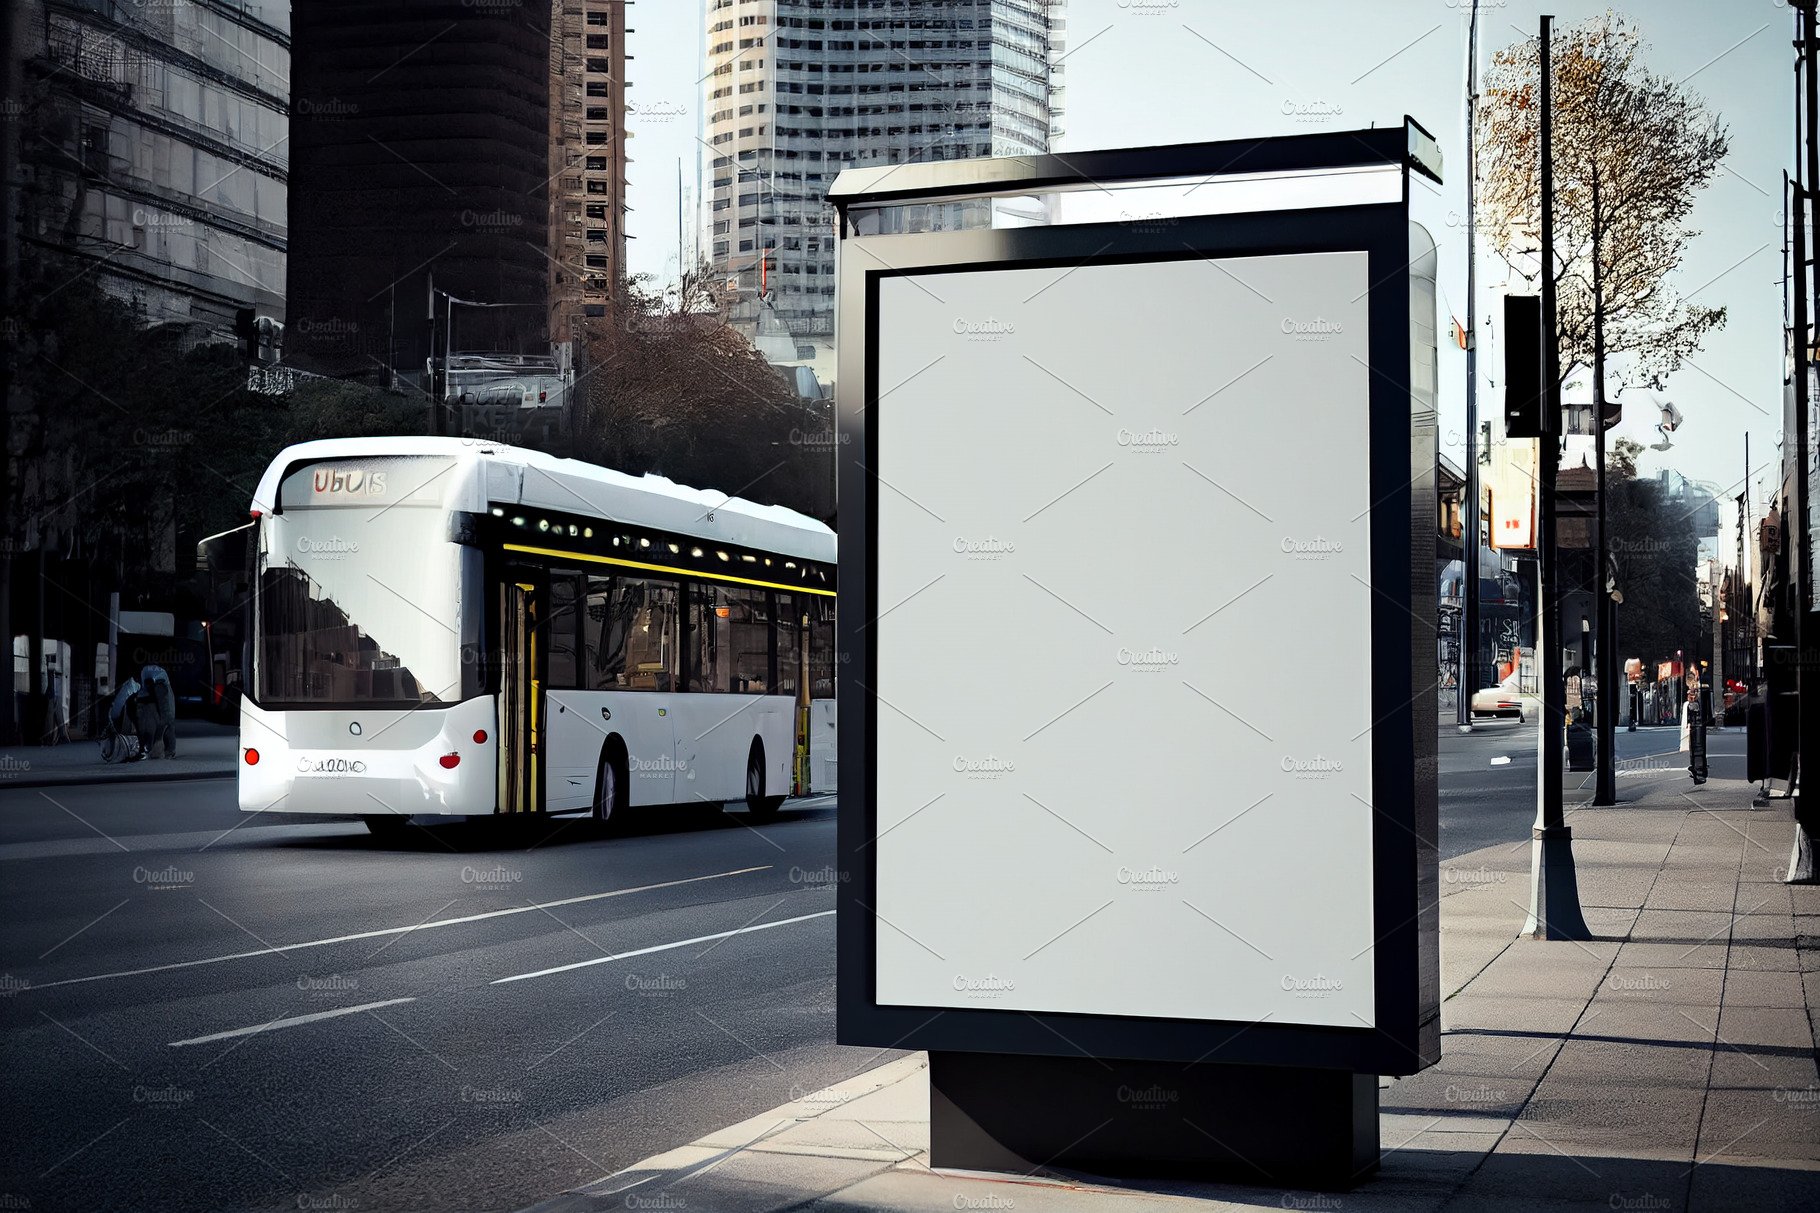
x: 127, y: 445
x: 1631, y: 149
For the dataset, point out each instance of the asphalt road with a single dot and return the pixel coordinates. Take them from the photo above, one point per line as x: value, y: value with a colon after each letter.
x: 134, y: 919
x: 1488, y: 777
x: 204, y: 1011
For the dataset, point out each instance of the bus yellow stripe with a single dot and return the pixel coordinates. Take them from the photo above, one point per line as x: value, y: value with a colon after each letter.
x: 663, y: 568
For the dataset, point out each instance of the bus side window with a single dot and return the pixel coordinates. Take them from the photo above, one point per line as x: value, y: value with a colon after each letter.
x: 749, y: 638
x: 655, y: 648
x: 561, y: 633
x: 821, y: 647
x: 604, y: 629
x: 787, y: 618
x: 706, y: 669
x: 634, y: 645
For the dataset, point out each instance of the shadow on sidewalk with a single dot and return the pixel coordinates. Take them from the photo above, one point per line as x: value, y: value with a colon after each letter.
x: 1528, y: 1174
x: 1704, y: 1046
x: 1534, y: 1174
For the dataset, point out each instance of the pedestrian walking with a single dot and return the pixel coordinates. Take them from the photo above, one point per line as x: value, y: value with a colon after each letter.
x: 164, y: 705
x: 1693, y: 735
x: 56, y: 727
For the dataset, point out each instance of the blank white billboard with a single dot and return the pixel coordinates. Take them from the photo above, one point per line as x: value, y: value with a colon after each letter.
x: 1123, y: 691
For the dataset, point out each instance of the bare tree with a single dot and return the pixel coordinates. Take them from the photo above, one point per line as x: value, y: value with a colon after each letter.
x: 1631, y: 149
x: 676, y: 391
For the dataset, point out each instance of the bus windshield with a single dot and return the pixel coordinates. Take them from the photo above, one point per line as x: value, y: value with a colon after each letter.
x: 357, y: 607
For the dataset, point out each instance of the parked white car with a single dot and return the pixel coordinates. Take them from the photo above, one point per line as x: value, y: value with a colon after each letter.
x: 1500, y: 702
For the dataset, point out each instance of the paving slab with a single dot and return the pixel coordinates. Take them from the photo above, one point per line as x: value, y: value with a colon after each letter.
x: 1753, y: 1069
x: 1773, y: 988
x: 1760, y: 1124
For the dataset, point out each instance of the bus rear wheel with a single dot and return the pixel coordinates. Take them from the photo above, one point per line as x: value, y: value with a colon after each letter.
x: 609, y: 786
x: 759, y: 805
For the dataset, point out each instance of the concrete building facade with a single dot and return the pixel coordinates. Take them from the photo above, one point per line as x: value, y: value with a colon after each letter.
x: 154, y: 156
x: 588, y: 159
x: 423, y: 132
x: 797, y: 90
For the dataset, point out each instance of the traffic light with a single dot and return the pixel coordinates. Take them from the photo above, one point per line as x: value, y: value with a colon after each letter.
x: 1525, y: 409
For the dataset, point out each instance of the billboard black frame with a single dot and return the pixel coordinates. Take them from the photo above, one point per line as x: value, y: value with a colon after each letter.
x: 1406, y: 1035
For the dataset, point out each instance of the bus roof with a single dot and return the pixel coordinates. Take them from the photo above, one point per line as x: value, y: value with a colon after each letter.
x: 496, y: 473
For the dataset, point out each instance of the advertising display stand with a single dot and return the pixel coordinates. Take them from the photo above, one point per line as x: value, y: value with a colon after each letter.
x: 1137, y: 648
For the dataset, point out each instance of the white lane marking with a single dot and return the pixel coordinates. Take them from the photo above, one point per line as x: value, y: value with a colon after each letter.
x: 662, y: 947
x: 538, y: 907
x: 1502, y: 760
x: 275, y: 1024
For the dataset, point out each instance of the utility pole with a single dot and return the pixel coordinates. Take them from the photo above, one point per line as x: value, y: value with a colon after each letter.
x: 443, y: 418
x: 1746, y: 591
x: 1554, y: 893
x: 1469, y: 530
x: 1716, y: 575
x: 435, y: 392
x: 1605, y: 654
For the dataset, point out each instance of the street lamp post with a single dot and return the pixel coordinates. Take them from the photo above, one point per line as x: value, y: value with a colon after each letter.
x: 1554, y: 893
x: 1469, y: 531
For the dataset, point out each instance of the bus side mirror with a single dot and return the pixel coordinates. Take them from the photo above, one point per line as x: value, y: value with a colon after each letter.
x: 228, y: 554
x: 464, y: 528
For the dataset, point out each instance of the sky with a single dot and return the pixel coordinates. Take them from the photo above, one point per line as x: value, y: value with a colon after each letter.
x: 1145, y: 72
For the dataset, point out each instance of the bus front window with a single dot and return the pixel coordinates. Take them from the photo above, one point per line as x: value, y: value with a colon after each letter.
x: 358, y: 608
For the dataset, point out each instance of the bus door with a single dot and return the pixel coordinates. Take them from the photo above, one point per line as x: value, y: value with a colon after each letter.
x: 797, y: 621
x: 520, y: 695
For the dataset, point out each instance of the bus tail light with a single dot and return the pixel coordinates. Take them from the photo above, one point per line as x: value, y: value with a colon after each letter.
x: 450, y: 761
x: 252, y: 757
x: 480, y: 737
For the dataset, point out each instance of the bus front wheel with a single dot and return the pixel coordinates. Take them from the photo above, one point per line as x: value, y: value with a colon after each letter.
x: 758, y: 804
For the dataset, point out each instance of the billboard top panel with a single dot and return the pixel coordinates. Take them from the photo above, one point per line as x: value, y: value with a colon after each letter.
x: 1409, y: 146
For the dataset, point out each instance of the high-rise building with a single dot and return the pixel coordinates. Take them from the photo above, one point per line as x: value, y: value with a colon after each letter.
x: 799, y: 89
x: 153, y: 156
x: 420, y: 138
x: 587, y: 159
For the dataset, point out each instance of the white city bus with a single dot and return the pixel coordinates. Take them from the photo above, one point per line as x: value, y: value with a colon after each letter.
x: 457, y: 629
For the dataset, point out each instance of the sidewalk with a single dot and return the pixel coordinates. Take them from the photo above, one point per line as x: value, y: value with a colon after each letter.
x: 1668, y: 1064
x: 204, y: 751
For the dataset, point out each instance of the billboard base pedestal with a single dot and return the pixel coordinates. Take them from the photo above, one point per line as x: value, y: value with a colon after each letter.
x: 1244, y: 1124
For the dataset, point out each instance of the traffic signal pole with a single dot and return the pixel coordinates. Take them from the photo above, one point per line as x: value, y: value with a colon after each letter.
x: 1803, y: 864
x: 1554, y: 893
